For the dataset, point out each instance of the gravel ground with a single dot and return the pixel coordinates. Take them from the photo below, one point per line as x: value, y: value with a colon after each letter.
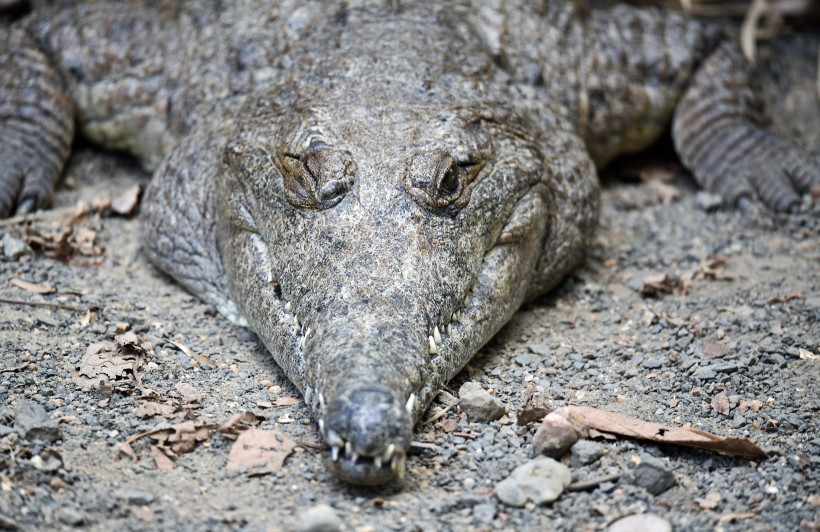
x: 596, y: 341
x: 739, y: 325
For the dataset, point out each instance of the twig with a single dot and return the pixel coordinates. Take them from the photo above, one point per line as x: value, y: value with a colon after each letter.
x: 44, y: 304
x: 590, y: 483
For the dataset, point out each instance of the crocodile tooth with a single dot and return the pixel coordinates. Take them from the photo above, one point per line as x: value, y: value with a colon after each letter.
x: 322, y: 426
x: 432, y: 347
x: 334, y: 453
x: 301, y: 342
x: 388, y: 453
x: 411, y: 403
x: 333, y: 439
x: 354, y: 457
x: 398, y: 465
x: 436, y: 335
x: 447, y: 329
x: 348, y: 448
x: 377, y: 461
x: 322, y: 400
x: 288, y: 306
x: 456, y: 316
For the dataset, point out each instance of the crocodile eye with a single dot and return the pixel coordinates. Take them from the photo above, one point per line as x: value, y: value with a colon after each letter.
x: 318, y: 178
x: 439, y: 183
x: 450, y: 181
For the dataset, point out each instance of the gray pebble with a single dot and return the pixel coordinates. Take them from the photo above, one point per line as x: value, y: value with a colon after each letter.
x: 642, y: 522
x: 479, y: 405
x: 320, y: 518
x: 7, y: 523
x: 585, y: 452
x: 71, y: 517
x: 13, y: 247
x: 540, y: 480
x: 134, y: 496
x: 484, y: 513
x: 652, y: 475
x: 33, y: 423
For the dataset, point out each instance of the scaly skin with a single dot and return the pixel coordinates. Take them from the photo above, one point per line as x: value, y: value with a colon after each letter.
x: 375, y: 188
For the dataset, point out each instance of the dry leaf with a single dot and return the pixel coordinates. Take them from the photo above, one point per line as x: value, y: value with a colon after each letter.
x: 161, y: 459
x: 105, y: 363
x: 203, y: 360
x: 449, y: 425
x: 287, y: 401
x: 754, y: 405
x: 259, y: 452
x: 188, y: 393
x: 151, y: 408
x: 181, y: 438
x: 659, y: 285
x: 786, y: 299
x: 720, y: 402
x: 37, y: 288
x: 238, y: 423
x: 585, y: 419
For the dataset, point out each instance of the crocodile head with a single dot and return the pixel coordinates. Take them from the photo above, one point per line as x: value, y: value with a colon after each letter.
x: 376, y: 234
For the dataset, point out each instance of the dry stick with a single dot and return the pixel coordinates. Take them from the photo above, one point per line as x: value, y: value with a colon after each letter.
x: 590, y: 483
x: 43, y: 304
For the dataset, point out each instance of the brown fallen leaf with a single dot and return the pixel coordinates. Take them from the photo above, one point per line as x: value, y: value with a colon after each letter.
x: 754, y: 405
x: 107, y: 363
x: 287, y: 401
x: 585, y: 419
x: 794, y: 295
x: 37, y: 288
x: 259, y: 452
x: 720, y: 402
x: 152, y: 408
x: 449, y: 425
x: 203, y: 360
x: 188, y: 393
x: 182, y: 437
x: 161, y: 459
x: 659, y: 285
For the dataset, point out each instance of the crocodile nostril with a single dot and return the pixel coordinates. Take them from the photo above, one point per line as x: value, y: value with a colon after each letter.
x: 318, y: 178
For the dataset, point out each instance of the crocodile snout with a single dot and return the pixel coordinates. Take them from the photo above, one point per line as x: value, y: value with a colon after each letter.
x: 368, y: 429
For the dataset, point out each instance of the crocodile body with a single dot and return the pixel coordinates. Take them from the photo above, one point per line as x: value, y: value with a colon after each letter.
x: 374, y: 188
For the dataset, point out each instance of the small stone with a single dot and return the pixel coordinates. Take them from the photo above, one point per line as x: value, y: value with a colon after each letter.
x: 32, y: 422
x: 479, y: 405
x: 540, y: 480
x: 320, y: 518
x: 484, y: 513
x: 652, y: 475
x: 13, y: 247
x: 134, y: 496
x: 652, y: 363
x: 7, y: 523
x: 585, y: 452
x: 469, y: 483
x: 642, y: 522
x: 554, y: 437
x: 707, y: 201
x: 70, y: 516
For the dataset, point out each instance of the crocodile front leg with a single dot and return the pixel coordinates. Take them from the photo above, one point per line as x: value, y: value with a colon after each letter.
x: 643, y: 67
x: 720, y: 132
x: 36, y: 124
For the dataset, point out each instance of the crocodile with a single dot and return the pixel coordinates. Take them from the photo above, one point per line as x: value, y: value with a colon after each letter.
x: 374, y: 188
